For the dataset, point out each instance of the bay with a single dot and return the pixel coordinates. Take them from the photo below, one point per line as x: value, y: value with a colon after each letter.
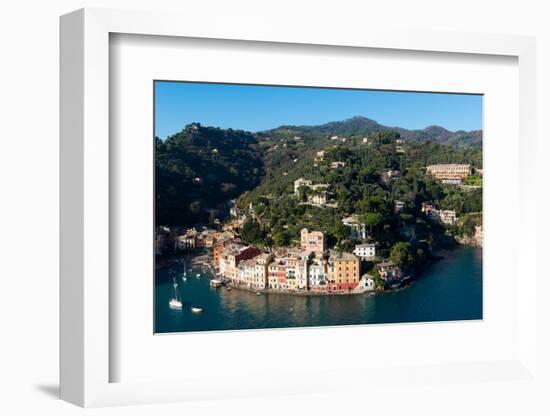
x: 447, y: 290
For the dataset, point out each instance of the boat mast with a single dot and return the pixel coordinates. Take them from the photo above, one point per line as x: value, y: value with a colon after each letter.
x: 175, y: 284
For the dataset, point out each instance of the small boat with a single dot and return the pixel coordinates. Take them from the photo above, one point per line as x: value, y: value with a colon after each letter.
x: 196, y: 310
x: 258, y: 293
x: 175, y: 302
x: 215, y: 282
x: 228, y: 288
x: 198, y: 275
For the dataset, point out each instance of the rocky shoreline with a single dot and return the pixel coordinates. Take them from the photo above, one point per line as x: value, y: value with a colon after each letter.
x: 467, y: 240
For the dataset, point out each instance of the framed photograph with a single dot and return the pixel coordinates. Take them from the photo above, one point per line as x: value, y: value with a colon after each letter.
x: 271, y: 209
x: 345, y: 222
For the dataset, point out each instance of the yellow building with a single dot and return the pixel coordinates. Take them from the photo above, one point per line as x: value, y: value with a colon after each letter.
x: 450, y: 171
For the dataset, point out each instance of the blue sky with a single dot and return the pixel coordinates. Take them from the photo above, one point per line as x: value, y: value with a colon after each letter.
x: 256, y: 108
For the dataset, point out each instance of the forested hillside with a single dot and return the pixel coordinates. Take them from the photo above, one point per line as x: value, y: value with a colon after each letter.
x: 199, y: 169
x: 360, y: 187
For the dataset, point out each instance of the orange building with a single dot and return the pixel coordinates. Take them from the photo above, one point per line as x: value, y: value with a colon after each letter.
x: 343, y: 271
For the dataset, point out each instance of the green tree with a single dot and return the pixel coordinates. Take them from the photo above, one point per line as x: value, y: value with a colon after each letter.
x: 401, y: 254
x: 252, y: 232
x: 281, y: 238
x: 372, y: 219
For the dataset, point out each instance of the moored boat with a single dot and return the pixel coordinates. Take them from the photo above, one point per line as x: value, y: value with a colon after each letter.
x: 195, y: 309
x: 175, y: 302
x: 216, y: 283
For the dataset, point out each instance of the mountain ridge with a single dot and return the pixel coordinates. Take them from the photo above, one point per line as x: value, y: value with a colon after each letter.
x: 361, y: 125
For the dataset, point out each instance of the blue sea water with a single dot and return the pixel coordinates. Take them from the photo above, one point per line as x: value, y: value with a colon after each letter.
x: 448, y: 290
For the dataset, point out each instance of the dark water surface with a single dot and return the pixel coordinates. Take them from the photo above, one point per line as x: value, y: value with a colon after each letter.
x: 450, y: 289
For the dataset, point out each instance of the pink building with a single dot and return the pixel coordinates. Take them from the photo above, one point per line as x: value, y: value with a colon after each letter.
x: 312, y: 241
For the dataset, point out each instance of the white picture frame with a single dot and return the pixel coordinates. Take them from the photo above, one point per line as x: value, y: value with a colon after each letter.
x: 85, y: 211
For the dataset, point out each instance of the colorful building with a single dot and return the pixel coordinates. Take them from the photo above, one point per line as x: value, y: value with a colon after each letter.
x: 232, y: 255
x: 221, y: 242
x: 289, y: 272
x: 276, y: 275
x: 313, y: 241
x: 388, y: 271
x: 343, y: 271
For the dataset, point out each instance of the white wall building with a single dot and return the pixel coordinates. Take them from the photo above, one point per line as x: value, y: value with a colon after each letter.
x: 367, y: 283
x: 358, y: 230
x: 317, y: 276
x: 447, y: 216
x: 299, y: 183
x: 365, y: 251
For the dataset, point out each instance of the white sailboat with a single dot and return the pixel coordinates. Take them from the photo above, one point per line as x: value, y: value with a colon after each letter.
x: 175, y: 302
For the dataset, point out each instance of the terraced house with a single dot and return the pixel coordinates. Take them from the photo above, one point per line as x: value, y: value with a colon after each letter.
x: 232, y: 255
x: 318, y: 276
x: 343, y: 271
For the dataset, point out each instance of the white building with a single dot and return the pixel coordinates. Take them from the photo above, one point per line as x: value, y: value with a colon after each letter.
x: 245, y: 274
x: 367, y: 283
x: 317, y: 193
x: 447, y: 216
x: 260, y: 270
x: 319, y: 197
x: 358, y: 230
x: 338, y: 164
x: 187, y: 240
x: 365, y: 251
x: 317, y: 275
x: 298, y: 183
x: 320, y: 156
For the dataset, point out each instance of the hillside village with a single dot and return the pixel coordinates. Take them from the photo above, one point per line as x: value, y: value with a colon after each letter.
x: 349, y: 214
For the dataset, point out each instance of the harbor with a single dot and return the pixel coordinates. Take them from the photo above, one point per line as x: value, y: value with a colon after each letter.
x: 448, y: 290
